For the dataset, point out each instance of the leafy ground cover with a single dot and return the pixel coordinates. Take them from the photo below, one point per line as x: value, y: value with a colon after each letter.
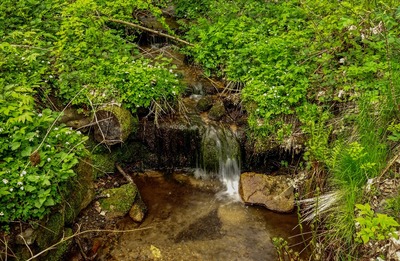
x: 72, y: 51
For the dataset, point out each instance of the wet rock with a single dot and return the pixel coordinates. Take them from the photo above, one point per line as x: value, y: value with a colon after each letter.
x: 204, y: 104
x: 138, y: 210
x: 217, y: 111
x: 273, y: 192
x: 114, y: 125
x: 118, y: 201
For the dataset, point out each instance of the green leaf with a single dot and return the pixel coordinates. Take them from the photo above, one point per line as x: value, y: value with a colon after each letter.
x: 15, y: 145
x: 26, y: 152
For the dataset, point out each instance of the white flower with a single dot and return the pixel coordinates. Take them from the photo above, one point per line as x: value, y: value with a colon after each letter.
x: 48, y: 146
x: 40, y: 115
x: 20, y: 183
x: 1, y: 213
x: 79, y: 132
x: 67, y: 143
x: 68, y: 132
x: 48, y: 159
x: 23, y: 173
x: 21, y: 188
x: 22, y: 58
x: 50, y: 76
x: 56, y: 129
x: 5, y: 181
x: 58, y: 135
x: 11, y: 189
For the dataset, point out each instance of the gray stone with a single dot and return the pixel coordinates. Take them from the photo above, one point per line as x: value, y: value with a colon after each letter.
x: 26, y: 237
x: 114, y: 125
x: 273, y: 192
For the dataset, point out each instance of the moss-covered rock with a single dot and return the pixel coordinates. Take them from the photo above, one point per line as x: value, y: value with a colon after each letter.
x: 114, y: 125
x: 204, y: 104
x: 118, y: 201
x: 51, y: 230
x: 217, y: 111
x: 61, y: 250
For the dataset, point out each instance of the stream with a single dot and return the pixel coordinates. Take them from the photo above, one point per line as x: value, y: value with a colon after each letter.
x: 186, y: 221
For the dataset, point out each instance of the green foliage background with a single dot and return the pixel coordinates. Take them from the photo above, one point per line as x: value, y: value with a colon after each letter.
x: 327, y: 70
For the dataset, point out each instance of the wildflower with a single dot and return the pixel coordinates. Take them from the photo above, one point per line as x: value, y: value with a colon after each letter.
x: 23, y: 173
x: 68, y: 132
x: 56, y: 128
x: 1, y: 214
x: 67, y: 143
x: 265, y: 94
x: 22, y: 58
x: 11, y: 189
x: 21, y: 188
x: 79, y: 132
x: 40, y: 115
x: 48, y: 159
x: 5, y: 181
x: 50, y: 76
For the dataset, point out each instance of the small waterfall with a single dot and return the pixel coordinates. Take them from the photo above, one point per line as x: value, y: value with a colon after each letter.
x: 220, y: 158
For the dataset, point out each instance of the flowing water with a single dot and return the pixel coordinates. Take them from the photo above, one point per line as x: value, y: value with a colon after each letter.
x: 221, y: 160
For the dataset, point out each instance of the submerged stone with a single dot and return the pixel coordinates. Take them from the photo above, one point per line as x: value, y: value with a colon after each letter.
x: 138, y: 210
x: 273, y: 192
x: 118, y: 201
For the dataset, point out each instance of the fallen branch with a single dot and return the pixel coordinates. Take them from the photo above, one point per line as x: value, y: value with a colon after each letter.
x: 127, y: 177
x: 149, y: 30
x: 81, y: 233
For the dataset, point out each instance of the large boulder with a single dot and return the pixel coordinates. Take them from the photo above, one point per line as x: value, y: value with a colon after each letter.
x: 273, y: 192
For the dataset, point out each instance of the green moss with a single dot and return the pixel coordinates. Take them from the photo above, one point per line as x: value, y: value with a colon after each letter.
x: 103, y: 164
x: 50, y: 231
x: 119, y: 200
x: 59, y: 252
x: 217, y: 111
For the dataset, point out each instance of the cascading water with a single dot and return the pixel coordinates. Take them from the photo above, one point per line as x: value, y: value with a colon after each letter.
x: 220, y: 159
